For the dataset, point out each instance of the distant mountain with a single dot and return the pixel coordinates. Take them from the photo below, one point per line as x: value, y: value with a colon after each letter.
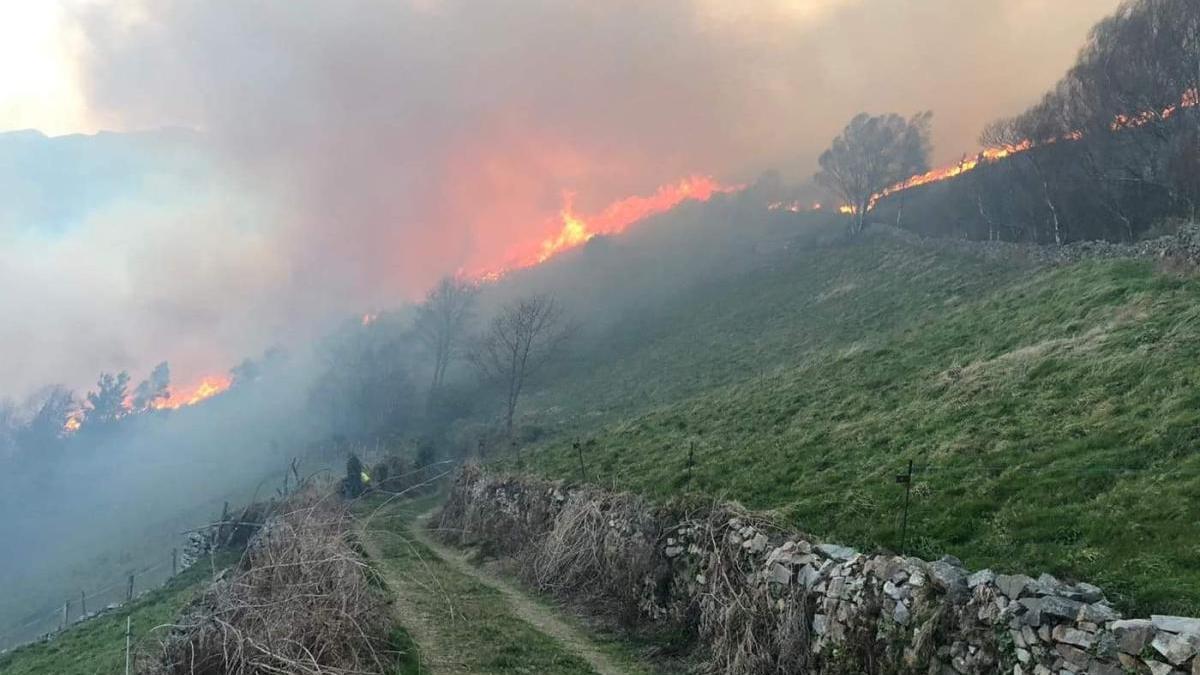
x: 51, y: 184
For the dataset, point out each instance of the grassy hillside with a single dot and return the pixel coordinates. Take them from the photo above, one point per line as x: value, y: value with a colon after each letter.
x: 1053, y: 414
x: 98, y: 645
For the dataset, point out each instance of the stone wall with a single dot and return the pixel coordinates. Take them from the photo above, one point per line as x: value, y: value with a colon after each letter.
x: 760, y: 599
x: 1181, y: 247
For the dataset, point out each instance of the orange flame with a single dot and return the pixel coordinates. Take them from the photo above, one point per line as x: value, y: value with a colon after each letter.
x: 1189, y: 99
x: 576, y: 229
x: 209, y: 386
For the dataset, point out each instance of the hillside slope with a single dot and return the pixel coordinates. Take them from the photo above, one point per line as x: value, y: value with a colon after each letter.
x: 1052, y: 414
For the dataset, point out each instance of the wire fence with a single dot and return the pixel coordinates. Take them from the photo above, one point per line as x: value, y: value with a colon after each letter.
x: 89, y: 603
x: 154, y: 571
x: 149, y: 572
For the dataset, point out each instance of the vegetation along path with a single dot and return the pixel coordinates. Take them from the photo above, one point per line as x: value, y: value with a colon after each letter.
x: 460, y: 619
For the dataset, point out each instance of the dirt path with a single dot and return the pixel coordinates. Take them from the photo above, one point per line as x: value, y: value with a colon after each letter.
x: 538, y: 615
x: 463, y: 619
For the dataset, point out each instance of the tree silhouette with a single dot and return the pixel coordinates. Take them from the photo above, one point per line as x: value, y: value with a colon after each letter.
x: 441, y: 323
x: 107, y: 404
x: 871, y: 154
x: 521, y: 339
x: 153, y: 389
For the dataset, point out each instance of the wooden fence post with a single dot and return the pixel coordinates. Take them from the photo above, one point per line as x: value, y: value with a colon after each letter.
x: 128, y: 625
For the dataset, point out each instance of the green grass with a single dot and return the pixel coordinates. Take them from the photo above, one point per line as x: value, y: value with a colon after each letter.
x: 98, y: 645
x: 1053, y: 414
x: 467, y: 625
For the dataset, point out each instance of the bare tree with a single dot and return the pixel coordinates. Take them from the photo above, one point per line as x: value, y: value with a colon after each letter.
x: 519, y: 341
x: 442, y: 321
x: 871, y: 154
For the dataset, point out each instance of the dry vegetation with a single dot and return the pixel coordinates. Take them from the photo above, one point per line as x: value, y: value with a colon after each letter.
x: 301, y: 601
x: 600, y: 549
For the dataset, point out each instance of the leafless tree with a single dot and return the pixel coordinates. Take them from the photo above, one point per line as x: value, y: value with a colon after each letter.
x: 442, y: 322
x: 520, y: 340
x: 871, y: 154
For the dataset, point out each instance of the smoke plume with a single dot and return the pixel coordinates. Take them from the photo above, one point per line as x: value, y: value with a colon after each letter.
x: 367, y: 148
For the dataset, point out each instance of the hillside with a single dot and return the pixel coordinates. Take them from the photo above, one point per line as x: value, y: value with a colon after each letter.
x: 1051, y: 412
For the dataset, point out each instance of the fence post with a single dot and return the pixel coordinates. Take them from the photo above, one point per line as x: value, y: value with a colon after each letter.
x: 582, y: 468
x: 82, y: 603
x: 128, y: 625
x: 174, y: 561
x: 129, y: 593
x: 66, y: 620
x: 691, y: 461
x: 906, y: 480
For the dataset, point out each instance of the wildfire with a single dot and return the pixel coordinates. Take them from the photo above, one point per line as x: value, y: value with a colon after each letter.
x: 1189, y: 100
x: 796, y: 207
x: 576, y: 229
x: 209, y: 386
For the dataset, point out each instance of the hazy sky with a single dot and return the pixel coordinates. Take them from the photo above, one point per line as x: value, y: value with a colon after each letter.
x: 384, y: 143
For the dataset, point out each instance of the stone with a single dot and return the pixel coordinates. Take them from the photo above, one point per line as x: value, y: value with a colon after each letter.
x: 1157, y: 668
x: 1029, y: 635
x: 1087, y: 592
x: 1098, y: 667
x: 1175, y: 648
x: 1130, y: 663
x: 981, y: 577
x: 1097, y: 613
x: 951, y: 579
x: 901, y: 615
x: 1105, y: 645
x: 1033, y: 612
x: 1073, y: 636
x: 1048, y: 584
x: 779, y: 574
x: 807, y: 576
x: 837, y: 552
x: 758, y: 544
x: 895, y: 592
x: 1018, y: 638
x: 672, y: 551
x: 1073, y: 655
x: 1060, y: 607
x: 1014, y: 586
x: 1023, y: 655
x: 1176, y: 624
x: 819, y: 623
x: 1132, y: 635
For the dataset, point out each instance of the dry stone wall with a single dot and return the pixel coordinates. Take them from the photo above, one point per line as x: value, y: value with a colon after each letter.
x: 759, y: 599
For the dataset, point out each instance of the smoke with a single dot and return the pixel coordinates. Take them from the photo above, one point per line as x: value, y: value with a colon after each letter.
x: 380, y: 144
